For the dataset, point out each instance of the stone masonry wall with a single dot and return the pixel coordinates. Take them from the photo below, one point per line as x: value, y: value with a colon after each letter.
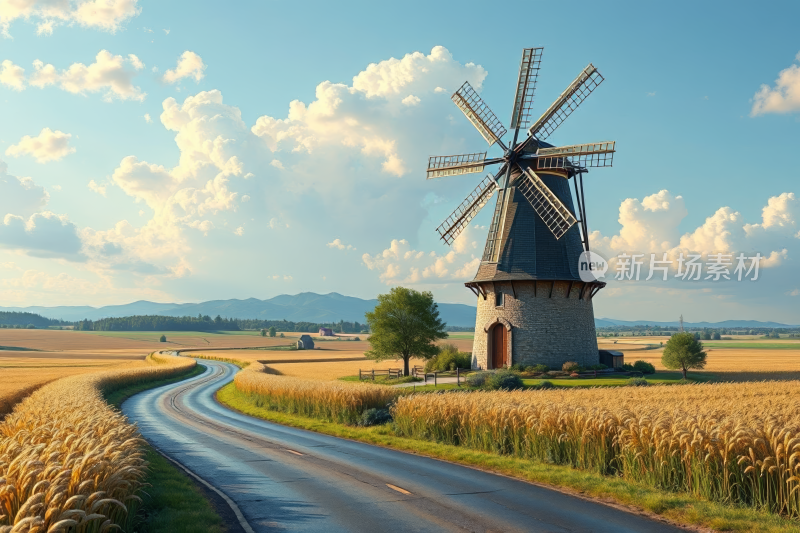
x: 545, y: 329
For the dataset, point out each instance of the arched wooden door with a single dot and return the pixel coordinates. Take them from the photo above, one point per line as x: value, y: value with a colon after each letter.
x: 499, y: 345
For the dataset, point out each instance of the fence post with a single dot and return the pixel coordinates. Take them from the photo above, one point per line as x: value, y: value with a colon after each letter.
x: 435, y: 375
x: 458, y: 377
x: 359, y: 374
x: 373, y: 374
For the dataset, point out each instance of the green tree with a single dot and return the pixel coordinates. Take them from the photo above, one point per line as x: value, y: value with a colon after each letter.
x: 716, y: 336
x: 163, y: 338
x: 682, y: 352
x: 404, y: 324
x: 272, y: 331
x: 263, y: 333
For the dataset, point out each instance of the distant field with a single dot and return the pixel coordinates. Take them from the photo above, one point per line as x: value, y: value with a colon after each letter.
x: 789, y: 345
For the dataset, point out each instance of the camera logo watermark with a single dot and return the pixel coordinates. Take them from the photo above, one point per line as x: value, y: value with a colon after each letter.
x: 591, y: 267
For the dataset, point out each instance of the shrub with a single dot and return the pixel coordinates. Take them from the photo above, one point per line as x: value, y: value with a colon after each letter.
x: 163, y: 338
x: 477, y: 379
x: 570, y: 366
x: 537, y: 368
x: 638, y: 382
x: 627, y: 367
x: 357, y: 339
x: 546, y: 385
x: 448, y: 358
x: 644, y: 367
x: 374, y: 417
x: 503, y: 379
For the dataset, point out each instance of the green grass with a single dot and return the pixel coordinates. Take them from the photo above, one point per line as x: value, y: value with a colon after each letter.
x: 665, y: 378
x: 173, y: 502
x: 756, y: 345
x: 682, y: 508
x: 460, y: 335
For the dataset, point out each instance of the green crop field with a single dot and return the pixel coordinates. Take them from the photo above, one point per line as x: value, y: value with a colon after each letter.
x: 753, y: 345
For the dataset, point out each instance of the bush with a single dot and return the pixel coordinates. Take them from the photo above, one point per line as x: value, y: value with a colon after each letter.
x: 163, y: 338
x: 448, y: 358
x: 627, y: 367
x: 504, y: 379
x: 644, y: 367
x: 545, y: 385
x: 537, y: 368
x: 638, y: 382
x: 374, y: 417
x: 570, y: 366
x: 477, y: 379
x: 357, y: 339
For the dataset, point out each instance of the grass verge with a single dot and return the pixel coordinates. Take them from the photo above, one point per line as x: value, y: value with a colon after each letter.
x: 173, y: 502
x: 681, y: 508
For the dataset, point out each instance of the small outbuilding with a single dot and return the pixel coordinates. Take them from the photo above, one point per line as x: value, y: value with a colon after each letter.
x: 305, y: 343
x: 325, y: 332
x: 611, y: 358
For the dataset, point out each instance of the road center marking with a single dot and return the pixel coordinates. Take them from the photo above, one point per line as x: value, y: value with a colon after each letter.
x: 398, y: 489
x: 294, y: 452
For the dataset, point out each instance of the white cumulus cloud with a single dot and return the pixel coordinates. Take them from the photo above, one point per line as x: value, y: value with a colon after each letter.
x: 99, y: 189
x: 783, y: 97
x: 339, y: 245
x: 190, y: 65
x: 47, y: 146
x: 12, y: 75
x: 106, y: 15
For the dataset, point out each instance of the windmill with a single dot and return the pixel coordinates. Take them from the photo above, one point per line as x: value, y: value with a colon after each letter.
x: 533, y: 306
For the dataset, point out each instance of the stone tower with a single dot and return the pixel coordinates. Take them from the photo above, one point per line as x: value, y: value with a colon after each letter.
x: 533, y: 307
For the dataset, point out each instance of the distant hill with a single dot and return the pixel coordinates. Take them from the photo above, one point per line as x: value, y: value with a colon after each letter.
x: 303, y: 307
x: 312, y: 307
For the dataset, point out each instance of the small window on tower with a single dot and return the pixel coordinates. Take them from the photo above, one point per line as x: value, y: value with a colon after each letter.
x: 498, y: 299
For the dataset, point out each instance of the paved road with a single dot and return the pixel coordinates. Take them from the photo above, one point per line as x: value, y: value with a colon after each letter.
x: 284, y: 478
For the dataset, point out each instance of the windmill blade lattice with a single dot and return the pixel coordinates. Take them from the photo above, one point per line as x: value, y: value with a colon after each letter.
x: 577, y: 91
x: 550, y: 209
x: 464, y: 213
x: 453, y: 165
x: 526, y: 87
x: 476, y: 110
x: 576, y: 155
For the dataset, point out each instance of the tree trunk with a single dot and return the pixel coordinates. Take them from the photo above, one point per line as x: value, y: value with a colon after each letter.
x: 405, y: 365
x: 683, y: 369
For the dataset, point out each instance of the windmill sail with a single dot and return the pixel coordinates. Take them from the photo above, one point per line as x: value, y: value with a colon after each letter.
x: 586, y: 82
x: 526, y: 86
x: 461, y: 217
x: 576, y: 155
x: 453, y: 165
x: 550, y: 209
x: 493, y: 240
x: 476, y: 110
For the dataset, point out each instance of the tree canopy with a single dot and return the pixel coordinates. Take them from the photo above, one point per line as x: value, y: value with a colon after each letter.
x: 683, y: 351
x: 404, y: 324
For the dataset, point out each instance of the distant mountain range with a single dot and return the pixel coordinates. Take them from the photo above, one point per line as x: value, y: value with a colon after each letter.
x: 312, y: 307
x: 303, y: 307
x: 610, y: 322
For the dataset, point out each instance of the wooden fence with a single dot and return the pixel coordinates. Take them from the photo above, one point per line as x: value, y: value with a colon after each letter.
x: 391, y: 373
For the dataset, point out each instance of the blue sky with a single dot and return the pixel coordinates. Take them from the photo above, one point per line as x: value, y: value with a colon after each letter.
x: 231, y: 190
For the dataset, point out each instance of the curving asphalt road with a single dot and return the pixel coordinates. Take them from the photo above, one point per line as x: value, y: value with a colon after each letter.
x: 282, y: 478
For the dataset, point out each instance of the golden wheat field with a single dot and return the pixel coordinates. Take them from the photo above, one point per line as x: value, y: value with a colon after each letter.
x: 69, y: 461
x: 334, y: 400
x: 730, y: 442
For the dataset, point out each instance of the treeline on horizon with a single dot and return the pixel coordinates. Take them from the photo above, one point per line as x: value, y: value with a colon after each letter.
x: 23, y: 319
x: 206, y: 323
x: 645, y: 330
